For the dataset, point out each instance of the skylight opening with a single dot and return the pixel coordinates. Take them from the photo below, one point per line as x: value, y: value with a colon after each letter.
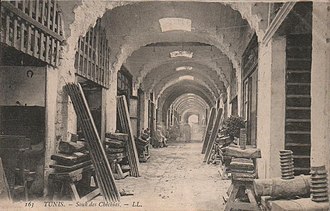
x: 187, y: 54
x: 175, y: 24
x: 186, y: 77
x: 183, y: 68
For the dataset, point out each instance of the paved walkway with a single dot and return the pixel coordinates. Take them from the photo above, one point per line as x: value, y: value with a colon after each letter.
x: 175, y: 178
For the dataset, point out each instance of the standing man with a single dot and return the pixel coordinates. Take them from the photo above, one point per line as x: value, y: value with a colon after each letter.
x: 187, y: 132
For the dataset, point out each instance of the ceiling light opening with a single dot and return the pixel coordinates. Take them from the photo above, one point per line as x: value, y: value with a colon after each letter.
x: 187, y: 54
x: 175, y: 24
x: 186, y: 77
x: 183, y: 68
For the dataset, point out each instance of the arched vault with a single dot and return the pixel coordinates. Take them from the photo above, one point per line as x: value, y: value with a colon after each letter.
x: 216, y: 24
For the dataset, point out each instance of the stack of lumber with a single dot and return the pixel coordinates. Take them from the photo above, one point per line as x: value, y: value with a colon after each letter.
x: 71, y: 156
x: 142, y: 146
x: 115, y: 147
x: 73, y: 173
x: 242, y: 169
x: 103, y: 172
x: 214, y: 134
x: 125, y: 124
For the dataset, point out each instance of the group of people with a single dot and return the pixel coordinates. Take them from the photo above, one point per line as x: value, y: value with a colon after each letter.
x: 161, y: 136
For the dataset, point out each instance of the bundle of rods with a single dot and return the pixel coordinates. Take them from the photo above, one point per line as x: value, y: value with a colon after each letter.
x: 213, y: 136
x: 104, y: 176
x: 125, y: 123
x: 208, y: 129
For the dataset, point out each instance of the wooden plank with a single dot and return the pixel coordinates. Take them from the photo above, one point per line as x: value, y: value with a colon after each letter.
x: 48, y: 21
x: 47, y: 47
x: 23, y: 5
x: 37, y: 9
x: 22, y: 36
x: 57, y: 60
x: 26, y: 17
x: 63, y: 168
x: 31, y: 7
x: 43, y: 7
x: 52, y: 52
x: 15, y: 32
x: 104, y: 175
x: 215, y: 129
x: 125, y: 122
x: 7, y: 29
x: 242, y: 153
x: 91, y: 195
x: 70, y: 160
x: 208, y: 129
x: 74, y: 193
x: 29, y: 39
x: 42, y: 46
x: 35, y: 47
x: 4, y: 187
x: 54, y: 15
x: 71, y: 147
x: 92, y: 56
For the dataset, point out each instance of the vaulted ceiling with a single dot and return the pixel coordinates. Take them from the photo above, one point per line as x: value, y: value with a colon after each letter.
x: 215, y: 34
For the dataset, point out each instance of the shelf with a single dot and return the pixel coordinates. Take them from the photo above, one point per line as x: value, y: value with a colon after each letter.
x: 298, y: 59
x: 298, y: 108
x: 301, y: 157
x: 301, y: 169
x: 298, y: 71
x: 298, y: 132
x: 298, y: 84
x: 297, y: 145
x: 298, y: 96
x: 298, y: 120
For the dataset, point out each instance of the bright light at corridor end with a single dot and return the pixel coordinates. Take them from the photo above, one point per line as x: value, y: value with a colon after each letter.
x: 186, y: 77
x: 183, y: 68
x: 175, y: 24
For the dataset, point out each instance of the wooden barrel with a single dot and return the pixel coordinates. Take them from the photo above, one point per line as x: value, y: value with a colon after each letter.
x: 279, y: 188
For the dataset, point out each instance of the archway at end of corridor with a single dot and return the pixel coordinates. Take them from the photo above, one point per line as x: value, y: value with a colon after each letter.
x: 196, y: 122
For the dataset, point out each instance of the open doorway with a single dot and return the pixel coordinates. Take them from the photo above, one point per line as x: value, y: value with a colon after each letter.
x: 22, y: 121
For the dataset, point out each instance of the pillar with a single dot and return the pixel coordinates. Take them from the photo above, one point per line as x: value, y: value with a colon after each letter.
x: 271, y: 106
x: 50, y: 119
x: 111, y: 104
x: 320, y: 86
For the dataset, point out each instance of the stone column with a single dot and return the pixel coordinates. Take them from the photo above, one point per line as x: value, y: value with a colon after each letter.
x: 271, y: 106
x: 144, y: 111
x: 320, y: 86
x: 239, y: 91
x: 111, y: 104
x: 50, y: 119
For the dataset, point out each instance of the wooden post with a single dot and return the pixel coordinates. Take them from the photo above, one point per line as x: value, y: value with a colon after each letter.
x: 242, y: 138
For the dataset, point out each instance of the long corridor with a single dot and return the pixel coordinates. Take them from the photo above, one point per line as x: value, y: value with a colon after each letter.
x: 175, y: 178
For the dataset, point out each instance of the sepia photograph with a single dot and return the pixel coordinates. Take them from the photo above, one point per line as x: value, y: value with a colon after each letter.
x: 157, y: 105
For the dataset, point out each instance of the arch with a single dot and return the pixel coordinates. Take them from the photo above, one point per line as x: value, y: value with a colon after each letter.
x: 164, y: 81
x: 196, y: 82
x: 199, y: 70
x: 85, y: 14
x: 204, y: 55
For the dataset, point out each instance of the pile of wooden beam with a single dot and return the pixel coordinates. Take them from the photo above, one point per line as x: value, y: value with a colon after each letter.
x: 103, y: 172
x: 73, y: 173
x: 71, y: 156
x: 142, y: 145
x: 125, y: 123
x: 212, y: 137
x: 115, y: 147
x: 243, y: 172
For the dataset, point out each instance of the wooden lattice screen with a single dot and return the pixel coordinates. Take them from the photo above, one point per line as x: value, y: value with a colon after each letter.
x: 33, y: 27
x: 92, y: 57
